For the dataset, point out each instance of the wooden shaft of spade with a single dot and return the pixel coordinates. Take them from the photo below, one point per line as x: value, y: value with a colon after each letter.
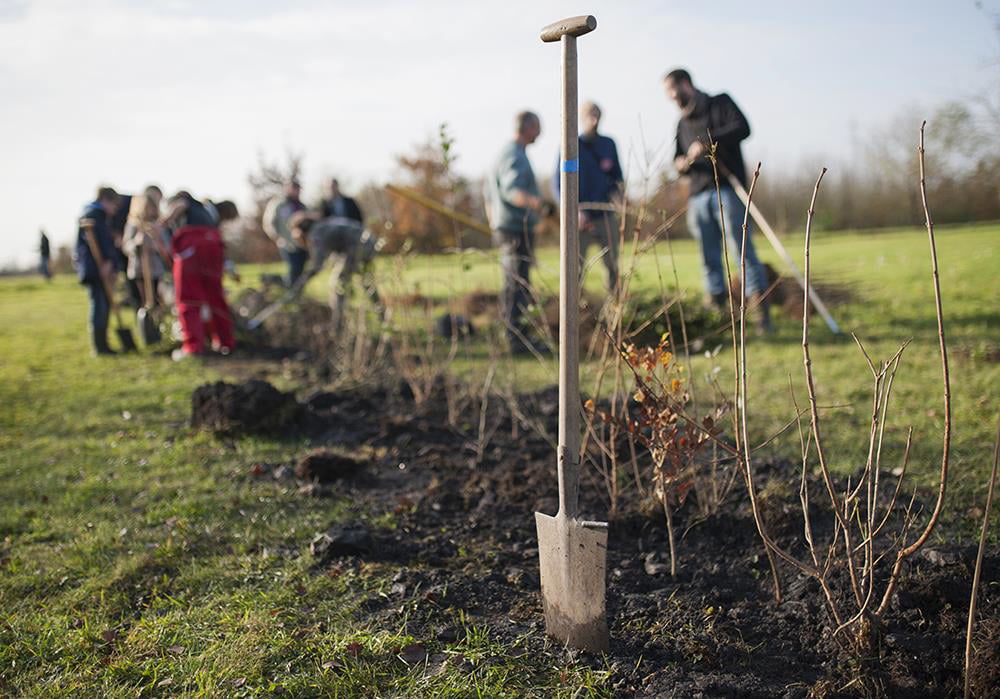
x: 775, y: 242
x: 569, y: 283
x: 438, y: 207
x: 147, y: 277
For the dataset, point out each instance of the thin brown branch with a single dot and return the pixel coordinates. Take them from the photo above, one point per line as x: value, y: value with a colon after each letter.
x: 813, y: 407
x: 946, y: 380
x: 979, y: 562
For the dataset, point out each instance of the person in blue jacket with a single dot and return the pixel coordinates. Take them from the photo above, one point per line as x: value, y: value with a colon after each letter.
x: 600, y: 187
x: 101, y: 211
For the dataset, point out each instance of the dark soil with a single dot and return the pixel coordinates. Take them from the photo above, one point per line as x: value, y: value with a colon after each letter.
x: 324, y: 466
x: 252, y: 406
x: 465, y: 539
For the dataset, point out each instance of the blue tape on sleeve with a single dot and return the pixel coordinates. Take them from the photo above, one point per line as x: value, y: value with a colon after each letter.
x: 571, y: 166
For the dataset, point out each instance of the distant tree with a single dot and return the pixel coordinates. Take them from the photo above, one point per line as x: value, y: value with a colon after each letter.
x: 429, y: 171
x: 62, y: 261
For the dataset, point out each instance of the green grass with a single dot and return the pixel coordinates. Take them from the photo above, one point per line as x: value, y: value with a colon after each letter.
x: 137, y: 557
x: 889, y: 273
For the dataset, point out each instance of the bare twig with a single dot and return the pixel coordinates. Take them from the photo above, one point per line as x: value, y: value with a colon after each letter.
x: 979, y: 562
x: 946, y: 380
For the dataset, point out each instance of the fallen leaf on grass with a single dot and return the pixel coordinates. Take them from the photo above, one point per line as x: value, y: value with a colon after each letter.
x: 176, y: 650
x: 240, y: 682
x: 354, y: 648
x: 165, y: 683
x: 413, y: 654
x: 109, y: 635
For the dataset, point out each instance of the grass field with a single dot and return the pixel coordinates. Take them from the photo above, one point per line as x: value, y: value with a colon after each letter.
x: 889, y: 275
x: 137, y: 557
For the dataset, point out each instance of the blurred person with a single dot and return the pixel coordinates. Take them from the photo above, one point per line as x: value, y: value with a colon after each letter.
x: 337, y: 204
x: 352, y: 250
x: 706, y: 119
x: 118, y: 221
x: 198, y: 259
x: 276, y: 215
x: 143, y: 237
x: 515, y: 203
x: 45, y: 254
x: 600, y: 183
x: 90, y: 273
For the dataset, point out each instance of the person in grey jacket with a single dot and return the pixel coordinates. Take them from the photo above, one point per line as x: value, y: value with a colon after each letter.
x: 514, y: 209
x: 276, y: 216
x: 352, y: 250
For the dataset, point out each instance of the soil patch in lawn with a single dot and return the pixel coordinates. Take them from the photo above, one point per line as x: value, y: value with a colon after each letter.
x: 464, y: 539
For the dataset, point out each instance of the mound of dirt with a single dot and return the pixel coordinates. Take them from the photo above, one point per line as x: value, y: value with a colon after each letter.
x: 327, y: 466
x: 465, y: 539
x: 248, y: 407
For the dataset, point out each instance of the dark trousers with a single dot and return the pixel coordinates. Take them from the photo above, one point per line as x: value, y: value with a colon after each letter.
x: 296, y: 261
x: 515, y: 258
x: 137, y: 292
x: 100, y: 309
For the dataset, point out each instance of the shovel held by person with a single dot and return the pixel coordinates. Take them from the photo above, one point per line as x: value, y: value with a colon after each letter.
x: 124, y: 334
x: 149, y: 328
x: 572, y: 553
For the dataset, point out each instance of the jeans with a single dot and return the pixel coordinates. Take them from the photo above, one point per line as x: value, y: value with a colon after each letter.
x: 604, y: 234
x: 296, y: 261
x: 100, y: 309
x: 515, y: 259
x: 705, y: 225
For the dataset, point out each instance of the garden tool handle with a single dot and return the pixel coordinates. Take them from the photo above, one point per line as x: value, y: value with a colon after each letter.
x: 571, y: 26
x: 147, y: 279
x: 566, y: 31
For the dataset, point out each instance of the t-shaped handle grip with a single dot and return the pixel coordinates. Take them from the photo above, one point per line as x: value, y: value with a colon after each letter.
x: 571, y: 26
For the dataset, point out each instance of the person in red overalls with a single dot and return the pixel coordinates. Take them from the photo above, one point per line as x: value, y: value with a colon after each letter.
x: 198, y: 253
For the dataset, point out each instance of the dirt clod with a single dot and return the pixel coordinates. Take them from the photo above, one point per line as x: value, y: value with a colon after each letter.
x: 343, y: 540
x: 248, y: 407
x: 327, y: 466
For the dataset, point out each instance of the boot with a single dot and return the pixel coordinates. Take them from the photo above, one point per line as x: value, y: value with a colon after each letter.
x: 762, y: 315
x: 719, y: 301
x: 99, y: 337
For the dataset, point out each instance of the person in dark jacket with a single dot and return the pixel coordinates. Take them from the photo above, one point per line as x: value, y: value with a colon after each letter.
x: 336, y: 204
x: 600, y: 186
x: 707, y: 119
x: 100, y: 211
x: 45, y: 252
x: 198, y: 253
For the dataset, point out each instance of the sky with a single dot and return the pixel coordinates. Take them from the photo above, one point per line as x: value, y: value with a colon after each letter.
x: 188, y: 93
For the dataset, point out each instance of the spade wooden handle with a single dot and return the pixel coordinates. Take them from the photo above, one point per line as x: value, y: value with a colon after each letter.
x: 571, y: 26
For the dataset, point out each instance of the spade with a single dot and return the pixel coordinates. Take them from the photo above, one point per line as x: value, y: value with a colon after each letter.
x: 572, y: 553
